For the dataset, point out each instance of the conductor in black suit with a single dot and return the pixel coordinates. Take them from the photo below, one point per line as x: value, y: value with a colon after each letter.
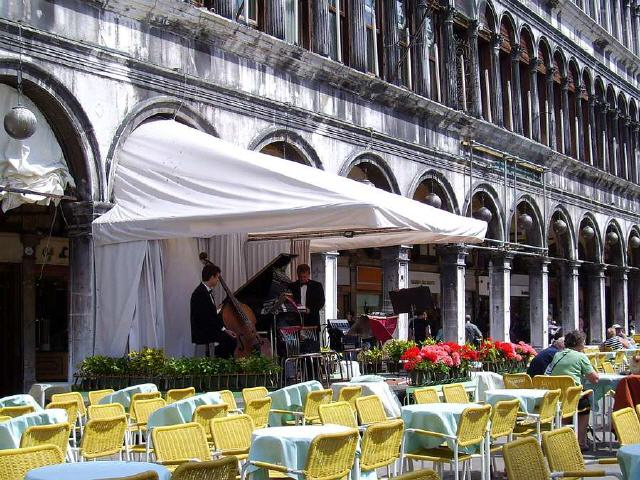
x: 207, y: 326
x: 309, y: 294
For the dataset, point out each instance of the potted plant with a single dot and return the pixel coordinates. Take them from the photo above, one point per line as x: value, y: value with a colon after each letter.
x: 371, y: 360
x: 394, y: 349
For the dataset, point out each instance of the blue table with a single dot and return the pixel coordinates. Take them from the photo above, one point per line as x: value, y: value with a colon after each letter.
x: 285, y: 446
x: 11, y: 431
x: 529, y: 398
x: 290, y: 398
x: 20, y: 401
x: 434, y: 417
x: 123, y: 397
x: 181, y: 411
x: 95, y: 471
x: 606, y: 382
x: 629, y: 459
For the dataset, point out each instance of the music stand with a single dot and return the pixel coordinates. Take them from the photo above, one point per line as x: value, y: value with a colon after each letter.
x: 411, y: 300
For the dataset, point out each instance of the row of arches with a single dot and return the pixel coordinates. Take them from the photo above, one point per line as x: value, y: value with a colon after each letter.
x: 548, y: 96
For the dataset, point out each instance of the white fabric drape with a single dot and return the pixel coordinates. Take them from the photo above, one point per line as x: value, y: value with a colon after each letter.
x: 227, y: 252
x: 147, y: 329
x: 258, y: 254
x: 182, y: 273
x: 117, y: 286
x: 36, y: 163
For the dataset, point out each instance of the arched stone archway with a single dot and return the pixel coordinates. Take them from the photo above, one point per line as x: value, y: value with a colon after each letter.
x: 617, y: 297
x: 592, y: 279
x: 434, y: 183
x: 371, y: 167
x: 633, y: 263
x: 287, y: 144
x: 62, y: 293
x: 563, y: 271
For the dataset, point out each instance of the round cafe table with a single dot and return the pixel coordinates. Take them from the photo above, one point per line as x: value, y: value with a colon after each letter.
x: 629, y: 459
x: 529, y: 398
x: 285, y: 446
x: 434, y: 417
x: 290, y: 398
x: 95, y: 471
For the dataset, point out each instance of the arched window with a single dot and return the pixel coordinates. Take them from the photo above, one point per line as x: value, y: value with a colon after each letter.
x: 544, y: 101
x: 587, y: 122
x: 558, y: 72
x: 487, y: 28
x: 601, y: 126
x: 612, y: 132
x: 573, y: 80
x: 508, y: 41
x: 339, y: 30
x: 526, y: 63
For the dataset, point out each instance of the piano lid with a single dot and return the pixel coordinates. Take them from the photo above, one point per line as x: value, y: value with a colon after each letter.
x: 268, y: 283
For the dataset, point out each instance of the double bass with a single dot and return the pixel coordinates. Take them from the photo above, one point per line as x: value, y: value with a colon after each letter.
x: 239, y: 318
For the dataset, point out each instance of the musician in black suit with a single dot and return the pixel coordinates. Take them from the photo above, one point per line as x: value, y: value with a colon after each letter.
x: 309, y: 294
x: 207, y: 326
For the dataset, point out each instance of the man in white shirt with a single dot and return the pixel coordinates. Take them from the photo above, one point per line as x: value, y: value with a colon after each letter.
x: 309, y: 294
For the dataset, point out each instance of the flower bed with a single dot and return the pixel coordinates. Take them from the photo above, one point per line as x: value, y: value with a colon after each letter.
x: 152, y: 366
x: 505, y: 357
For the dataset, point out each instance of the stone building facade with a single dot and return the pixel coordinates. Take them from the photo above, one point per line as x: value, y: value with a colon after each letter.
x: 523, y: 113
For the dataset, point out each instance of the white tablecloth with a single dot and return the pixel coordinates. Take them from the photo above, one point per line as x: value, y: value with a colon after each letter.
x: 434, y: 417
x: 11, y: 431
x: 486, y: 381
x: 96, y: 471
x: 290, y: 398
x: 123, y: 397
x: 287, y: 446
x: 20, y: 401
x: 40, y: 391
x: 381, y: 389
x: 181, y: 411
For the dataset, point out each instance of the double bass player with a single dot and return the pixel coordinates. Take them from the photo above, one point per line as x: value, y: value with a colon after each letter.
x: 207, y: 326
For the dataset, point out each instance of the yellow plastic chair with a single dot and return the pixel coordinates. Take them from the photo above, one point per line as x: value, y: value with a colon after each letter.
x: 471, y: 432
x: 545, y: 418
x: 253, y: 393
x: 16, y: 411
x: 607, y: 367
x: 504, y: 415
x: 626, y: 425
x: 223, y: 469
x: 523, y: 460
x: 71, y: 407
x: 569, y: 407
x: 176, y: 394
x: 455, y: 393
x: 103, y: 438
x: 205, y: 413
x: 5, y: 418
x: 331, y: 457
x: 232, y: 435
x: 370, y: 410
x: 338, y: 413
x: 141, y: 411
x: 69, y: 396
x: 636, y: 337
x: 258, y: 409
x: 310, y: 410
x: 563, y: 453
x: 105, y: 411
x: 349, y: 394
x: 228, y: 398
x: 96, y: 395
x: 16, y: 462
x: 176, y: 444
x: 381, y: 444
x: 56, y: 434
x: 517, y: 380
x: 426, y: 395
x: 562, y: 382
x: 424, y: 474
x: 620, y: 360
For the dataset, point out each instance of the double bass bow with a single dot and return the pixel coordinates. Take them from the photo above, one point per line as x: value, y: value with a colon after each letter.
x: 239, y: 318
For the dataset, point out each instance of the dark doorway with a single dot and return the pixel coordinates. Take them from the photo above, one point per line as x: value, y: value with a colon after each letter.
x: 11, y: 336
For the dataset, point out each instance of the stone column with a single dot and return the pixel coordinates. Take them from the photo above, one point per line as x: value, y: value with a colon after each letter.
x: 580, y: 133
x: 474, y: 65
x: 569, y: 294
x: 551, y: 111
x: 594, y: 132
x: 321, y: 37
x: 628, y: 36
x: 324, y: 269
x: 82, y: 305
x: 597, y: 302
x: 29, y: 244
x: 615, y: 24
x: 634, y: 298
x: 452, y: 291
x: 274, y: 18
x: 497, y: 113
x: 500, y: 296
x: 620, y: 297
x: 635, y: 150
x: 636, y: 20
x: 357, y: 36
x: 395, y: 275
x: 392, y: 67
x: 534, y: 63
x: 224, y: 8
x: 420, y: 51
x: 451, y: 72
x: 627, y: 160
x: 516, y: 94
x: 603, y: 136
x: 564, y: 98
x: 539, y: 302
x: 613, y: 140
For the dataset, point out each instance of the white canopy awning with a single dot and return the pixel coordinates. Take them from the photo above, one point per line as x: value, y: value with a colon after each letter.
x: 173, y: 181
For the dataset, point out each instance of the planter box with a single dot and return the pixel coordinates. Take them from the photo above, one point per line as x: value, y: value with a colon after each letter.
x: 202, y: 383
x: 504, y: 367
x: 425, y: 378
